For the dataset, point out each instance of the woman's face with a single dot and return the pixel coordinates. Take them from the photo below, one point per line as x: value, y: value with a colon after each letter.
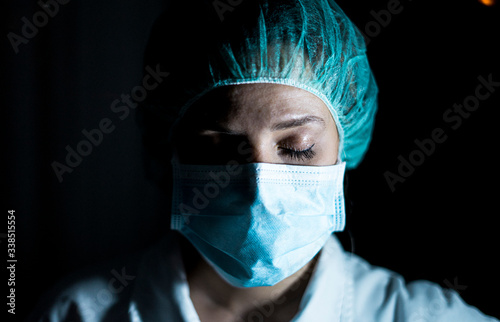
x: 268, y: 123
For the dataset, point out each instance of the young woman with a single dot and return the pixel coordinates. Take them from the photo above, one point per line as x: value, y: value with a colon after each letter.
x: 265, y: 106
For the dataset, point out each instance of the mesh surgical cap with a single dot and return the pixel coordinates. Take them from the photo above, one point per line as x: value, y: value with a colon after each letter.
x: 311, y: 45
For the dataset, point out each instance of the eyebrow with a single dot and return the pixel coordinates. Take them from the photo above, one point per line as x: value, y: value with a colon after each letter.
x: 297, y: 122
x: 220, y: 129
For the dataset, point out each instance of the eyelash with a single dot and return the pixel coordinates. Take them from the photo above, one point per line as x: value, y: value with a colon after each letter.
x: 299, y: 155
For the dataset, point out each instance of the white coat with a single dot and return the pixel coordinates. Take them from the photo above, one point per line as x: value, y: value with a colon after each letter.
x: 342, y: 287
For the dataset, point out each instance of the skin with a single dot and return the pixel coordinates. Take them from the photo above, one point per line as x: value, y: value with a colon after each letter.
x: 268, y: 123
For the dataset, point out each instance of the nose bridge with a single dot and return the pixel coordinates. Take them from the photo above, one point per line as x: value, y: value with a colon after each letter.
x: 263, y: 150
x: 257, y: 148
x: 258, y: 155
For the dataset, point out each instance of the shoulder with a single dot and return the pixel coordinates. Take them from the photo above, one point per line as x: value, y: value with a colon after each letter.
x: 96, y: 293
x: 383, y: 295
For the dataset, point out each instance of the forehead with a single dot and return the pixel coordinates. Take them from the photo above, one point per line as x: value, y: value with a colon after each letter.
x: 260, y: 100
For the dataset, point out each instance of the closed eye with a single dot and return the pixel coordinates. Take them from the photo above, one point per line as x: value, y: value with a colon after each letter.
x: 298, y: 155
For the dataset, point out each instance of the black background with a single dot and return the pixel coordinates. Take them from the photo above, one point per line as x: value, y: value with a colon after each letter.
x: 440, y: 224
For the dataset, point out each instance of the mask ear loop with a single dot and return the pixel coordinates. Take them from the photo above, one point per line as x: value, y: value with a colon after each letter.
x: 339, y: 159
x: 341, y: 153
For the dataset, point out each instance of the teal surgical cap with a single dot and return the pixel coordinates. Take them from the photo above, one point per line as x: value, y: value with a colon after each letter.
x: 310, y: 45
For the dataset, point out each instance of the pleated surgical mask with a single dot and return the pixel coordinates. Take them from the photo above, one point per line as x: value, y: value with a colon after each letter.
x: 257, y: 223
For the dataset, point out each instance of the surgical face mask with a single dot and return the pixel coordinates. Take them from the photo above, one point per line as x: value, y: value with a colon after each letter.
x: 257, y: 223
